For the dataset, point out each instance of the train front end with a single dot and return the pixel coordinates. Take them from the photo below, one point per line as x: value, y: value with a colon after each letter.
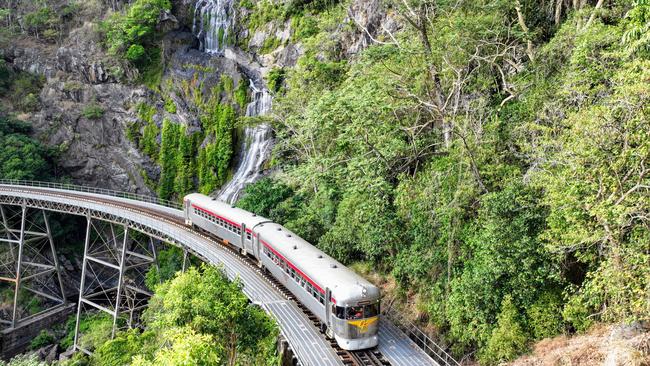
x: 355, y: 316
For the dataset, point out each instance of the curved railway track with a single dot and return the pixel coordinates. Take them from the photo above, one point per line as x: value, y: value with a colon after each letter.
x: 369, y: 357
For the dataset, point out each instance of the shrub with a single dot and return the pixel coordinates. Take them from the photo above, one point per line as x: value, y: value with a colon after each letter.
x: 135, y: 53
x: 93, y: 111
x: 241, y: 94
x: 170, y: 106
x: 508, y: 339
x: 29, y: 103
x: 303, y: 27
x: 275, y: 79
x: 44, y: 338
x: 545, y: 316
x: 270, y: 44
x: 131, y: 35
x: 263, y: 196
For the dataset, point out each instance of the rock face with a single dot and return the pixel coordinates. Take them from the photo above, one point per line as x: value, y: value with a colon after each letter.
x: 79, y: 74
x: 95, y: 152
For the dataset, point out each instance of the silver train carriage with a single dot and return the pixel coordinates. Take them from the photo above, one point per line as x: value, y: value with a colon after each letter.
x: 345, y: 302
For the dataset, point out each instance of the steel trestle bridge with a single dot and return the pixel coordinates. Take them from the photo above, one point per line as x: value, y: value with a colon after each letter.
x: 121, y: 232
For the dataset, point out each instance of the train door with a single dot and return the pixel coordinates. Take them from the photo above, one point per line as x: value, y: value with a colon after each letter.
x: 186, y: 209
x: 257, y: 239
x: 328, y: 312
x: 243, y: 238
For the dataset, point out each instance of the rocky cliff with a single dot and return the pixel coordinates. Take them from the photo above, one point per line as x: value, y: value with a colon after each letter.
x: 82, y: 78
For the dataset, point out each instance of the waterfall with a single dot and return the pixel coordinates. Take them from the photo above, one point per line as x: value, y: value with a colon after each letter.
x: 211, y: 26
x: 257, y: 147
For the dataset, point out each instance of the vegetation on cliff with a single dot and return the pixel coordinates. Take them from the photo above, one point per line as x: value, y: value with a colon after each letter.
x: 490, y: 156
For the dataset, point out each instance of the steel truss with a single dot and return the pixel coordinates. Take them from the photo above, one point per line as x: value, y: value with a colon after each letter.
x: 154, y: 232
x: 117, y: 254
x: 115, y: 262
x: 121, y: 295
x: 28, y: 265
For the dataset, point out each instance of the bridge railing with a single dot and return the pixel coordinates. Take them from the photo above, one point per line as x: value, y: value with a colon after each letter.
x: 107, y: 192
x: 421, y: 339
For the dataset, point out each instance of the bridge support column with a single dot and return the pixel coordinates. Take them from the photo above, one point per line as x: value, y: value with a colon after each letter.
x: 115, y: 263
x: 186, y: 255
x: 29, y: 265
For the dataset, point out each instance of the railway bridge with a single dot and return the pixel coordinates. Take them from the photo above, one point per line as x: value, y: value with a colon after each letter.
x: 121, y: 230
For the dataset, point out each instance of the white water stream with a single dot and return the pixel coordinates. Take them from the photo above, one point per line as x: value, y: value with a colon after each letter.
x: 212, y: 23
x: 257, y: 147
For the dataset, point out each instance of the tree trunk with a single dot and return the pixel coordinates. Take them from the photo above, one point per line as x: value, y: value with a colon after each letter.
x: 522, y: 24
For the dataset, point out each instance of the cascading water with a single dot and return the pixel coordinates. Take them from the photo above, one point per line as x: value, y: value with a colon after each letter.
x: 212, y: 23
x: 257, y: 147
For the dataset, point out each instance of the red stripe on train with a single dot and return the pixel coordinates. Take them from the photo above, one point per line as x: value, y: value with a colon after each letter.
x: 271, y: 248
x: 215, y: 215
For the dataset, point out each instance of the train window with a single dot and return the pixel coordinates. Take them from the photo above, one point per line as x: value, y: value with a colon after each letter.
x: 354, y: 312
x: 339, y: 312
x: 248, y: 236
x: 371, y: 310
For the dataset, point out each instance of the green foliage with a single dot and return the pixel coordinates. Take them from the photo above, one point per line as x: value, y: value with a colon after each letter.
x: 543, y: 319
x: 197, y: 318
x: 93, y: 111
x: 94, y: 330
x: 185, y: 164
x: 508, y: 339
x: 636, y: 37
x: 21, y: 157
x: 187, y: 348
x: 214, y: 158
x: 270, y: 44
x: 205, y: 302
x: 275, y: 79
x: 43, y: 339
x: 241, y: 95
x: 303, y: 27
x: 24, y: 360
x: 507, y: 260
x: 266, y: 11
x: 171, y: 133
x: 40, y: 21
x: 151, y: 71
x: 131, y: 33
x: 227, y: 84
x: 121, y: 349
x: 135, y: 53
x: 170, y: 106
x: 170, y: 261
x: 263, y: 196
x: 148, y: 143
x: 21, y: 88
x: 512, y: 202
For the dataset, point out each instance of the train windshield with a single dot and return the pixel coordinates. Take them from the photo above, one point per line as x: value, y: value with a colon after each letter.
x: 357, y: 312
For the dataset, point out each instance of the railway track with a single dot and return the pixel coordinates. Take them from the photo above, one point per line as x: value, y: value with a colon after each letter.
x: 369, y: 357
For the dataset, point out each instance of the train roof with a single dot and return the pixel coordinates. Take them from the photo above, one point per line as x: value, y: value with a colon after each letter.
x: 347, y: 287
x: 234, y: 214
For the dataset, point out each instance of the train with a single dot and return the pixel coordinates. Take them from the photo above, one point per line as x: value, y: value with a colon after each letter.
x: 347, y: 305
